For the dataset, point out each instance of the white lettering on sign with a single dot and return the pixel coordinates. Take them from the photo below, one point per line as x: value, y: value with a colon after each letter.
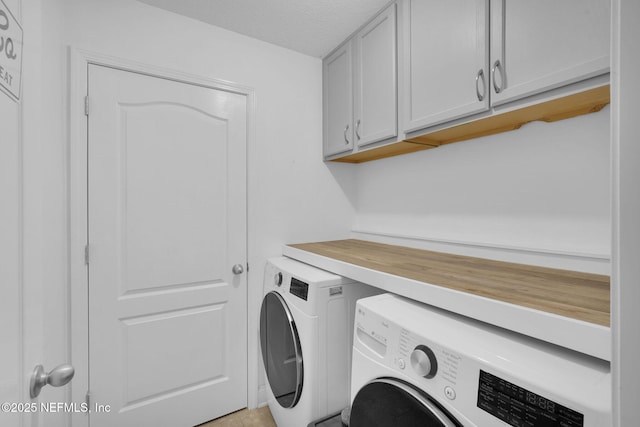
x: 10, y: 52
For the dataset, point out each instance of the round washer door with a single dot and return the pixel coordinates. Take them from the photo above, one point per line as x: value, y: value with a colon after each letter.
x: 387, y: 402
x: 281, y: 350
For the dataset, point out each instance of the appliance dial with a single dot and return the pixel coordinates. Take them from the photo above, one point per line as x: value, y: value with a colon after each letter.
x: 424, y: 362
x: 278, y: 278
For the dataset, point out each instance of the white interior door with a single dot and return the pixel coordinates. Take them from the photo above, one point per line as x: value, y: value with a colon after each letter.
x: 11, y: 372
x: 167, y: 222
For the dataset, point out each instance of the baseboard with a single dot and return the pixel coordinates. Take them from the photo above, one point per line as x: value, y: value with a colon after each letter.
x: 262, y: 396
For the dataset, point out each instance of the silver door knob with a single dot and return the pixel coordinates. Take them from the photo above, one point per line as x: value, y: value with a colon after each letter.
x: 59, y: 376
x: 237, y: 269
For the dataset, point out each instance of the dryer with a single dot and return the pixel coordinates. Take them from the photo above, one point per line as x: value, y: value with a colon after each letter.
x: 417, y: 365
x: 306, y: 330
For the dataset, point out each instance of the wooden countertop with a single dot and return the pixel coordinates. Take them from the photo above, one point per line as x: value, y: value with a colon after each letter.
x: 568, y: 296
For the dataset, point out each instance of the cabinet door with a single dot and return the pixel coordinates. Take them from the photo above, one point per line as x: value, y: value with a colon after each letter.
x: 444, y: 60
x: 376, y: 109
x: 338, y: 101
x: 544, y: 44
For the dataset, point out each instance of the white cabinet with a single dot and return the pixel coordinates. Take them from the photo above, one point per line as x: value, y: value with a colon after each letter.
x: 338, y: 101
x: 544, y: 44
x: 445, y: 60
x: 449, y: 71
x: 459, y: 62
x: 360, y: 89
x: 376, y: 113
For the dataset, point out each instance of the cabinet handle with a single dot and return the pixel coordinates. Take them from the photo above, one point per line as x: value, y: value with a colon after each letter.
x: 480, y: 76
x: 497, y: 67
x: 346, y: 141
x: 357, y: 128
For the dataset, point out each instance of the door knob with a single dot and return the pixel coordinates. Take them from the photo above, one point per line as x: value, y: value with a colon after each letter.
x: 237, y: 269
x: 59, y: 376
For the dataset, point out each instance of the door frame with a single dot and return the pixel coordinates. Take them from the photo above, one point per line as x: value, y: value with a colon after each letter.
x: 78, y: 313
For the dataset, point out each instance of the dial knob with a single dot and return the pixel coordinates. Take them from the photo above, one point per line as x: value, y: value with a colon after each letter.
x: 277, y: 279
x: 424, y: 362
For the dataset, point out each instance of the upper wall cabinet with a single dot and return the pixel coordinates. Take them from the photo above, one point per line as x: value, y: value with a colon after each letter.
x: 360, y: 88
x: 544, y: 44
x: 467, y: 68
x: 376, y: 113
x: 338, y: 101
x: 445, y: 60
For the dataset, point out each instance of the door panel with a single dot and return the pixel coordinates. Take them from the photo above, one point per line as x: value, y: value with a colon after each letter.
x: 444, y: 61
x: 167, y: 221
x: 338, y: 101
x: 146, y: 356
x: 545, y: 44
x: 376, y: 88
x: 181, y: 253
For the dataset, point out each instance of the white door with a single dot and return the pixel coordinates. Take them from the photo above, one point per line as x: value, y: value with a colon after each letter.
x: 12, y: 378
x: 167, y: 223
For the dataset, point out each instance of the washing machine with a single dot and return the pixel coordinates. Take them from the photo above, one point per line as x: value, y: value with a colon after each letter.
x: 417, y: 365
x: 306, y: 330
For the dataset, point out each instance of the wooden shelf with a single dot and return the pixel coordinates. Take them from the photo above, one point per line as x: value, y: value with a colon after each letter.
x: 589, y: 101
x: 567, y: 308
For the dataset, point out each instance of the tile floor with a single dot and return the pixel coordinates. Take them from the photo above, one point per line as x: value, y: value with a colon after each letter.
x: 260, y: 417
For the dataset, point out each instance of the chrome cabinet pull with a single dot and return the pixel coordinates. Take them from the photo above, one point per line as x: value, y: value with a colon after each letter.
x: 357, y: 129
x: 497, y: 67
x: 480, y: 76
x: 346, y: 141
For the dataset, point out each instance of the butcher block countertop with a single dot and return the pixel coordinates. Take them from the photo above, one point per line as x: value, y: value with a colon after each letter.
x: 567, y: 308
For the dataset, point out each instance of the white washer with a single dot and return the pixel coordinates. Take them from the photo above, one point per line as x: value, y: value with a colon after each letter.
x: 306, y: 330
x: 416, y: 365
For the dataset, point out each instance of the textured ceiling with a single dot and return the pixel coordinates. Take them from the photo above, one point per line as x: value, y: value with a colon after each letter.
x: 312, y: 27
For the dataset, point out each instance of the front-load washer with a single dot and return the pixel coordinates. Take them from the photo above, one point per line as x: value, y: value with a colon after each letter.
x: 306, y: 330
x: 417, y: 365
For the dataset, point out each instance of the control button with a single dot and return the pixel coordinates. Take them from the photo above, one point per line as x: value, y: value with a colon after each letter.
x: 277, y: 279
x: 424, y: 362
x: 401, y: 363
x: 450, y: 393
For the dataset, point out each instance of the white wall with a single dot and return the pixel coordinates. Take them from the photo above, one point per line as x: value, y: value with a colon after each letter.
x: 542, y: 189
x: 293, y: 195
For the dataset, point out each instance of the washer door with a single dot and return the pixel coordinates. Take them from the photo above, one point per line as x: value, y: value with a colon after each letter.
x: 388, y: 402
x: 281, y: 350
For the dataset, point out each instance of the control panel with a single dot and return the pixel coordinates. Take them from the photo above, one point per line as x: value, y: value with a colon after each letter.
x: 518, y: 406
x: 299, y: 288
x: 435, y: 366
